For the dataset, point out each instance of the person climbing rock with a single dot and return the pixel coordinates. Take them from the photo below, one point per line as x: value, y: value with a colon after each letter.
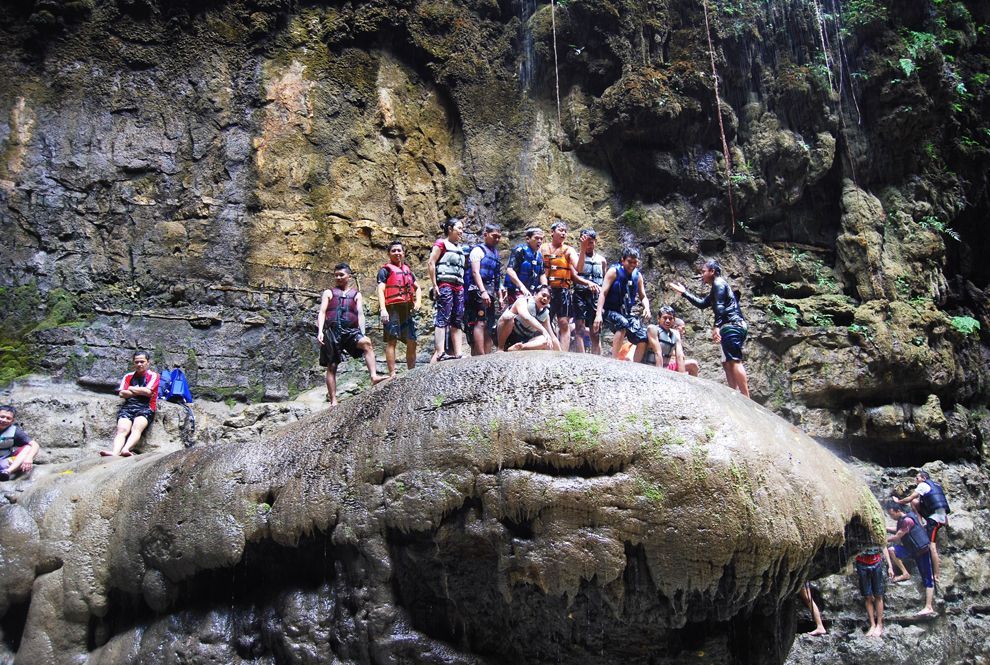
x: 340, y: 325
x: 524, y: 271
x: 399, y: 298
x: 816, y: 615
x: 690, y: 364
x: 446, y: 265
x: 622, y: 287
x: 559, y: 263
x: 484, y: 295
x: 591, y: 268
x: 525, y: 326
x: 730, y: 327
x: 928, y: 500
x: 910, y: 540
x: 139, y: 390
x: 17, y: 448
x: 873, y: 566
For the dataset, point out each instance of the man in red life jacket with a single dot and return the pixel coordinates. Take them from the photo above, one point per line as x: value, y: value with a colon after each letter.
x: 139, y: 390
x: 341, y: 330
x: 399, y: 298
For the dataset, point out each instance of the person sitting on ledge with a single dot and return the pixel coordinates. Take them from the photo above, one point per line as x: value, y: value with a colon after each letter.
x: 525, y: 326
x: 910, y: 540
x: 139, y: 390
x: 17, y: 448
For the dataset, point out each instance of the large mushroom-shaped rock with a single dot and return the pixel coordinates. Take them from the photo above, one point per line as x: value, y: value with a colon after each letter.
x: 530, y: 507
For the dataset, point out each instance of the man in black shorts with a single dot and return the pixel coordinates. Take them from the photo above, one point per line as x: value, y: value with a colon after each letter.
x: 621, y: 289
x: 139, y: 390
x: 591, y: 267
x: 17, y: 448
x: 399, y: 298
x: 482, y: 279
x: 341, y: 330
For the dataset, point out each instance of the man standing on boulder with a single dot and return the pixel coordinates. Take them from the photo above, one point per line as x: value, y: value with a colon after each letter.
x: 446, y: 264
x: 483, y: 295
x: 730, y: 327
x: 341, y: 330
x: 591, y: 267
x: 622, y: 287
x: 399, y: 298
x: 525, y: 269
x: 910, y: 540
x: 139, y: 390
x: 17, y: 448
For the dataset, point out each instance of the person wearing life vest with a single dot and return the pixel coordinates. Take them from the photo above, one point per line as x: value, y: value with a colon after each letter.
x: 873, y: 567
x: 928, y: 500
x: 559, y: 263
x: 591, y: 267
x: 446, y: 263
x: 399, y: 298
x: 524, y: 271
x: 529, y: 327
x: 621, y: 289
x: 484, y: 294
x: 909, y: 539
x: 139, y: 390
x: 17, y: 448
x: 340, y: 325
x: 730, y: 327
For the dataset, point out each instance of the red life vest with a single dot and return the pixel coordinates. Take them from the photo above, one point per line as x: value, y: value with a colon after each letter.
x: 400, y: 285
x: 342, y: 308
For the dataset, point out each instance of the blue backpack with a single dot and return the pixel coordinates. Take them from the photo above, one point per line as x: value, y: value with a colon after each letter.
x: 174, y: 387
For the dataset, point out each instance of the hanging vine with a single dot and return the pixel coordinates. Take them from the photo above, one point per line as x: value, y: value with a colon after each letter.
x: 556, y: 70
x: 721, y: 125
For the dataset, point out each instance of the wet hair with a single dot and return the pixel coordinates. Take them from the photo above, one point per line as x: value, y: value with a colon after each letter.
x: 678, y: 322
x: 925, y: 475
x: 139, y: 352
x: 630, y: 253
x: 395, y: 243
x: 448, y: 225
x: 532, y: 231
x: 893, y: 505
x: 541, y: 287
x: 492, y: 228
x: 591, y: 233
x: 667, y: 309
x: 714, y: 266
x: 9, y: 409
x: 557, y: 224
x: 343, y: 266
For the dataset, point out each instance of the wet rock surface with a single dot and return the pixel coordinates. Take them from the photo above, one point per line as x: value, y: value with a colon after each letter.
x: 479, y: 511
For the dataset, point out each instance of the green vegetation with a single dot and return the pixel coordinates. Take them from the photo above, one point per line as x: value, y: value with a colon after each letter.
x: 781, y: 313
x: 580, y: 429
x: 823, y: 320
x: 933, y: 223
x: 634, y: 217
x: 865, y: 332
x: 966, y: 325
x: 27, y: 311
x: 858, y: 14
x: 652, y: 491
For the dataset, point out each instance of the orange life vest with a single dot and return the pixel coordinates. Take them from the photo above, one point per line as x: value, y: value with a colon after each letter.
x: 399, y: 287
x: 557, y: 266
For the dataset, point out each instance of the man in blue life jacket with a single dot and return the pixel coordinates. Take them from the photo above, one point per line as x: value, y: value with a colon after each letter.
x: 730, y: 327
x: 17, y: 448
x: 621, y: 289
x: 484, y: 295
x: 928, y: 500
x: 341, y: 330
x: 399, y: 298
x: 909, y: 539
x: 591, y: 267
x: 524, y: 272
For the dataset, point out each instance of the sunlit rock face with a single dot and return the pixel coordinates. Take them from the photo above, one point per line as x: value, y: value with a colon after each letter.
x: 514, y: 508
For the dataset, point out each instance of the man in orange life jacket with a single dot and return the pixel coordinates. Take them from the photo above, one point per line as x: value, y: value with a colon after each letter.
x: 559, y: 261
x: 399, y: 298
x: 341, y: 330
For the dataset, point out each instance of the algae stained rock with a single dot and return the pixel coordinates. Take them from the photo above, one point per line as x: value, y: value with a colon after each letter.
x: 514, y: 508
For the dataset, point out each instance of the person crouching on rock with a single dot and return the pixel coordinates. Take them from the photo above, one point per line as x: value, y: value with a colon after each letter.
x: 139, y: 390
x: 525, y: 326
x: 17, y: 448
x: 730, y: 328
x: 622, y: 287
x: 341, y: 330
x: 873, y: 567
x: 399, y: 298
x: 909, y: 539
x: 446, y: 264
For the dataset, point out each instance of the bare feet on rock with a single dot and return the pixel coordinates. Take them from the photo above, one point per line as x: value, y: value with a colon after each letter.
x: 902, y: 578
x: 107, y: 453
x: 817, y: 631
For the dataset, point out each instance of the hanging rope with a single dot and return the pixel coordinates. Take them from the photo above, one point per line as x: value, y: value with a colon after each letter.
x: 721, y: 126
x: 556, y: 71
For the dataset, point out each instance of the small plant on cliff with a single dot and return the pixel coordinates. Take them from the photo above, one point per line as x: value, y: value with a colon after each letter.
x: 933, y: 223
x: 966, y: 325
x: 781, y: 313
x: 858, y: 14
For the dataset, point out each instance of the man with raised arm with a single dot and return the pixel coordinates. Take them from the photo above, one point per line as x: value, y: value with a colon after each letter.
x: 730, y: 327
x: 399, y: 298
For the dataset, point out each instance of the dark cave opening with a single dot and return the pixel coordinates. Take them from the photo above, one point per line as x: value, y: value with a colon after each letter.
x: 13, y: 623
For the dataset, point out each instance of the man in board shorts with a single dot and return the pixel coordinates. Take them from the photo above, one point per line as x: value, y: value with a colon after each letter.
x: 139, y: 390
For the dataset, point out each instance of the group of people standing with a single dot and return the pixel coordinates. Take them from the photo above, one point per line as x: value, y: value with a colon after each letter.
x: 548, y: 295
